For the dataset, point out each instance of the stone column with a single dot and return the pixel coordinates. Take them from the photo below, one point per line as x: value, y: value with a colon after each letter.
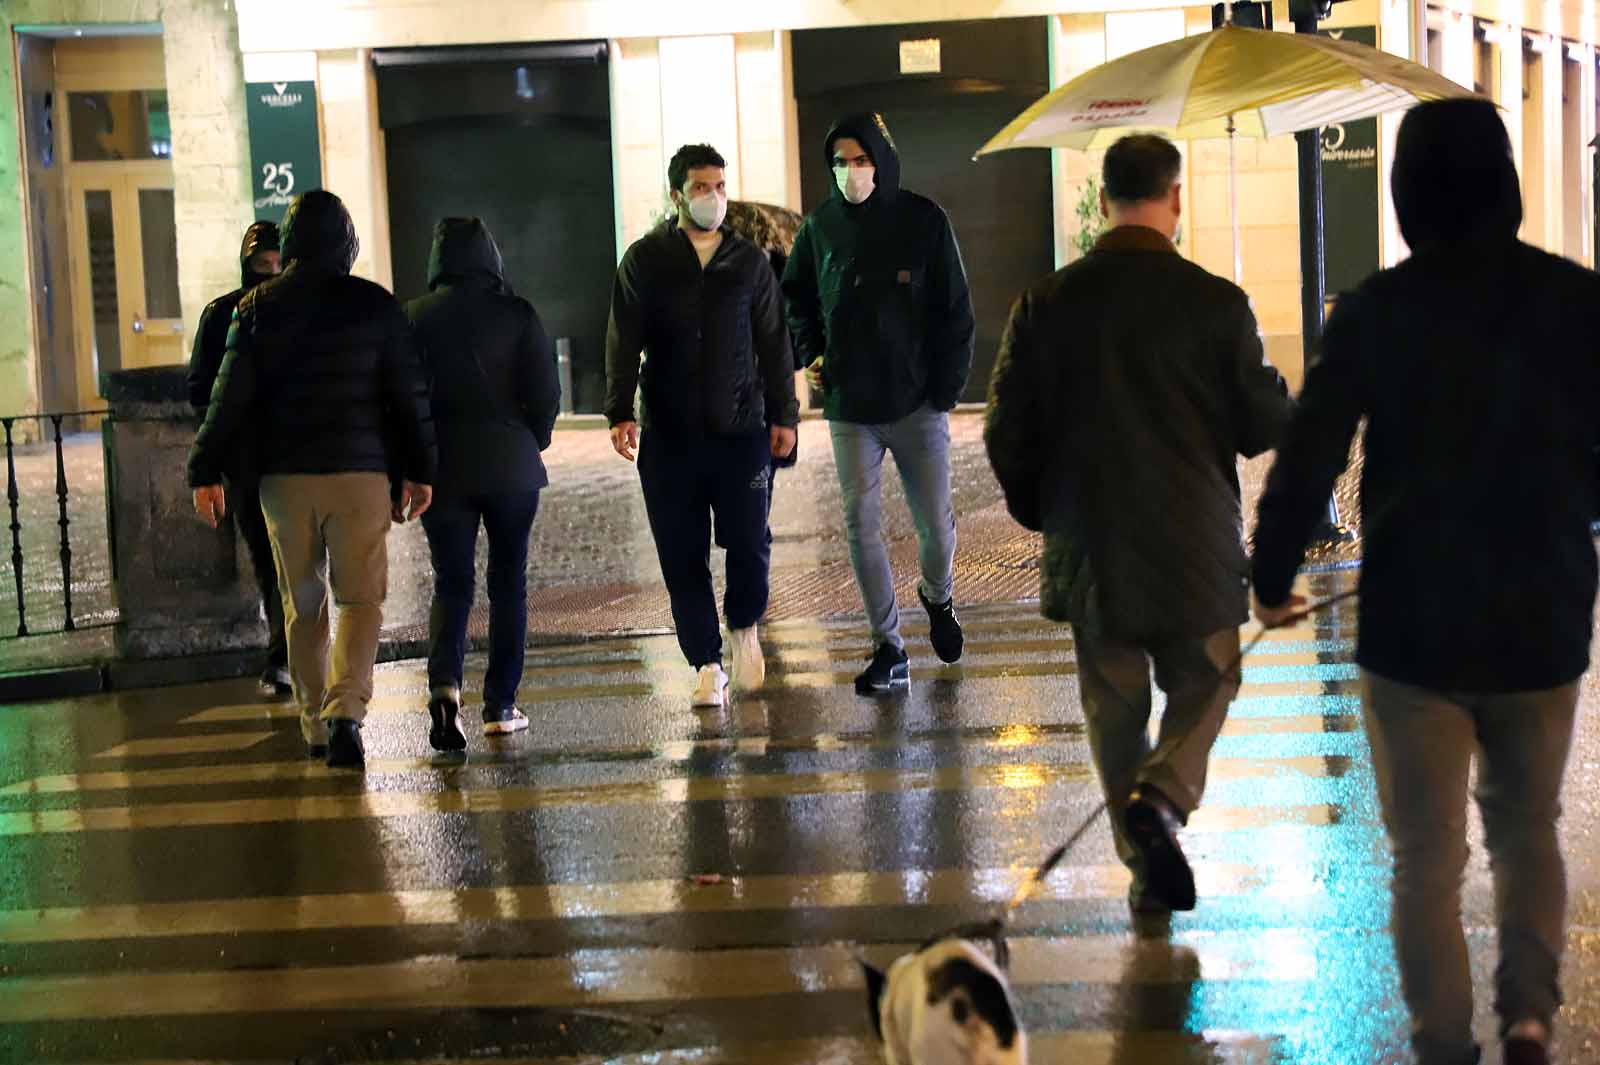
x: 180, y: 585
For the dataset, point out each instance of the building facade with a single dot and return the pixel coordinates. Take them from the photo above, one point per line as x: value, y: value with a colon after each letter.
x: 138, y: 149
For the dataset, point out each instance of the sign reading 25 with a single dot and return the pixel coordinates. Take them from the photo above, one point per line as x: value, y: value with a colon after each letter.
x: 278, y: 178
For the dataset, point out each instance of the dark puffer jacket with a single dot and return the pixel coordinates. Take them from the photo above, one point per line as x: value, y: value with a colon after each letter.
x: 211, y: 337
x: 1476, y: 363
x: 1126, y: 387
x: 322, y: 369
x: 877, y: 290
x: 494, y: 385
x: 717, y: 358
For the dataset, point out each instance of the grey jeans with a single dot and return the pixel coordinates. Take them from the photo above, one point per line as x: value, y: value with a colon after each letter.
x: 920, y: 444
x: 1423, y: 743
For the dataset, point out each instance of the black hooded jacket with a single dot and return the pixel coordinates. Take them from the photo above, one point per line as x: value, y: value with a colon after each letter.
x: 321, y: 371
x: 211, y: 338
x: 877, y: 290
x: 1476, y: 364
x: 495, y: 390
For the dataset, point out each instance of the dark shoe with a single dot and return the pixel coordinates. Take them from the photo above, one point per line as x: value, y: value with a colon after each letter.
x: 1152, y: 824
x: 344, y: 745
x: 1525, y: 1052
x: 889, y: 669
x: 944, y: 629
x: 503, y: 720
x: 316, y: 750
x: 274, y: 683
x: 444, y: 734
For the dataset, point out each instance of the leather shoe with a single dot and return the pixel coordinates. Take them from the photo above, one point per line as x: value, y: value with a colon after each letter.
x: 1152, y: 824
x: 345, y: 750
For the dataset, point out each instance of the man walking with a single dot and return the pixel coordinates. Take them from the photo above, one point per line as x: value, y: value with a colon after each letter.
x: 258, y: 262
x: 322, y: 370
x: 1127, y: 385
x: 1474, y: 365
x: 878, y: 305
x: 718, y: 405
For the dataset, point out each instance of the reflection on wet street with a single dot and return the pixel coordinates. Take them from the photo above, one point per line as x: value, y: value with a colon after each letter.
x: 633, y: 881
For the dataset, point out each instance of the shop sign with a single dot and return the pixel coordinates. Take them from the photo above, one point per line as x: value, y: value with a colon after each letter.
x: 1351, y: 210
x: 285, y: 149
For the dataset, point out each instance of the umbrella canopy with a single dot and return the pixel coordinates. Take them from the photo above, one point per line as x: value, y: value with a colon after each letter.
x: 1256, y: 83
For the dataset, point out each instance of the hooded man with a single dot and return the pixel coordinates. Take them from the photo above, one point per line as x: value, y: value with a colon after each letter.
x: 495, y: 401
x: 322, y: 372
x: 877, y: 303
x: 258, y: 262
x: 1474, y: 364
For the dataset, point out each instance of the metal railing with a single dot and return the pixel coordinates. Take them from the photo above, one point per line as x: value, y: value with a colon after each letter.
x: 13, y: 500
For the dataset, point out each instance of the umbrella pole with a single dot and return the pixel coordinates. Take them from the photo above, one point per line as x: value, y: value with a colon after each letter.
x: 1233, y: 205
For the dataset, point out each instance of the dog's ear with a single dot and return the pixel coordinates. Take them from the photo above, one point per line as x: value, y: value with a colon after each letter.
x: 876, y: 982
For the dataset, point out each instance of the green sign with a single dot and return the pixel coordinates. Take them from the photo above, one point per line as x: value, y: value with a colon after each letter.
x: 1351, y: 213
x: 285, y: 151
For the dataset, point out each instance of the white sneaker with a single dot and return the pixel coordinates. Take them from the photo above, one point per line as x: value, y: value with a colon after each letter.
x: 749, y: 667
x: 712, y: 688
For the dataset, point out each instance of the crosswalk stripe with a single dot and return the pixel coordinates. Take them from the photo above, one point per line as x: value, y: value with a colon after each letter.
x: 684, y: 896
x: 612, y: 977
x: 210, y: 743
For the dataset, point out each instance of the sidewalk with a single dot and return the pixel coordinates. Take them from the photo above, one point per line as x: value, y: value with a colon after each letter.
x: 592, y: 567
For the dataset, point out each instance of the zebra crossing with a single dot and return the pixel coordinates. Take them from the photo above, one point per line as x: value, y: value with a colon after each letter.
x: 634, y: 881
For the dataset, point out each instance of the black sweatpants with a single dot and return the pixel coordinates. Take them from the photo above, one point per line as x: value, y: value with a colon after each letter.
x: 242, y: 497
x: 687, y: 484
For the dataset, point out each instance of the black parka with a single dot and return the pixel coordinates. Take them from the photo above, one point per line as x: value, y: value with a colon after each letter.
x: 493, y: 375
x: 1126, y: 387
x: 1476, y: 366
x: 211, y: 336
x: 878, y: 291
x: 321, y: 369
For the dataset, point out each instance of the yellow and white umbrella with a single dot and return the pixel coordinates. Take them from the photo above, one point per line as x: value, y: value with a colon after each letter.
x: 1230, y: 81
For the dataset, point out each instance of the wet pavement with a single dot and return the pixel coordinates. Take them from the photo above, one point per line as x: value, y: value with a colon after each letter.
x: 635, y: 882
x: 591, y: 565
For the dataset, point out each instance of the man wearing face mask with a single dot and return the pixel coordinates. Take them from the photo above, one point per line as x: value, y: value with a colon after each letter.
x: 878, y: 306
x: 258, y: 262
x: 718, y: 404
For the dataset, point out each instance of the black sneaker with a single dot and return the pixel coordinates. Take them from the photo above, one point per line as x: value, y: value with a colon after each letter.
x: 1152, y: 824
x: 889, y: 669
x: 344, y: 744
x: 445, y: 731
x: 274, y: 683
x: 1519, y: 1051
x: 503, y: 720
x: 944, y: 628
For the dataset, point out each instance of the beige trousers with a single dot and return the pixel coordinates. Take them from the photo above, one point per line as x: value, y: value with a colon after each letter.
x: 1114, y: 679
x: 330, y: 525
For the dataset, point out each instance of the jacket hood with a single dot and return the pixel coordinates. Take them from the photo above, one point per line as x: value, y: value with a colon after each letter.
x: 869, y: 128
x: 261, y: 236
x: 1453, y: 176
x: 464, y: 250
x: 318, y: 232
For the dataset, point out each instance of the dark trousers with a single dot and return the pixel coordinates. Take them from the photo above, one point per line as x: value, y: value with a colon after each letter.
x: 452, y: 530
x: 688, y: 485
x: 242, y: 497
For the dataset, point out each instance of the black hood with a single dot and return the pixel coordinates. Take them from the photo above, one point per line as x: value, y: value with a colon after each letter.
x: 1454, y: 178
x: 867, y: 127
x: 464, y: 250
x: 319, y: 233
x: 261, y: 236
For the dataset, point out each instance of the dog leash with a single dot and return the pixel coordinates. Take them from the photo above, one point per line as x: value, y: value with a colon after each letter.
x: 1031, y: 885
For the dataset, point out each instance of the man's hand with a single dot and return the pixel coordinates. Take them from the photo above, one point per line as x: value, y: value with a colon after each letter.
x: 1272, y: 617
x: 415, y: 499
x: 209, y: 504
x: 625, y: 439
x: 814, y: 373
x: 784, y: 438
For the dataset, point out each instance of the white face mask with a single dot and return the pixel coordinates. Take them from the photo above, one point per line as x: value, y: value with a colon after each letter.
x: 708, y: 211
x: 856, y: 182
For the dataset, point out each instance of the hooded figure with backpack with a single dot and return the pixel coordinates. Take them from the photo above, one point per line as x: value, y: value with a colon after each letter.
x: 876, y: 298
x: 1474, y: 366
x: 495, y: 400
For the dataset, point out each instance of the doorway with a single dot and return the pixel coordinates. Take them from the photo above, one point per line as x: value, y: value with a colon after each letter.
x: 1002, y: 206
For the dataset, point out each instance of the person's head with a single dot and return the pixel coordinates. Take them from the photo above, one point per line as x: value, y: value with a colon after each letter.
x: 697, y: 176
x: 318, y: 233
x: 863, y: 159
x: 1140, y: 183
x: 1454, y: 176
x: 259, y: 258
x: 465, y: 251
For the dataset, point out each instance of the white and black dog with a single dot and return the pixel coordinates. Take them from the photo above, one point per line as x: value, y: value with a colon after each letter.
x: 948, y: 1003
